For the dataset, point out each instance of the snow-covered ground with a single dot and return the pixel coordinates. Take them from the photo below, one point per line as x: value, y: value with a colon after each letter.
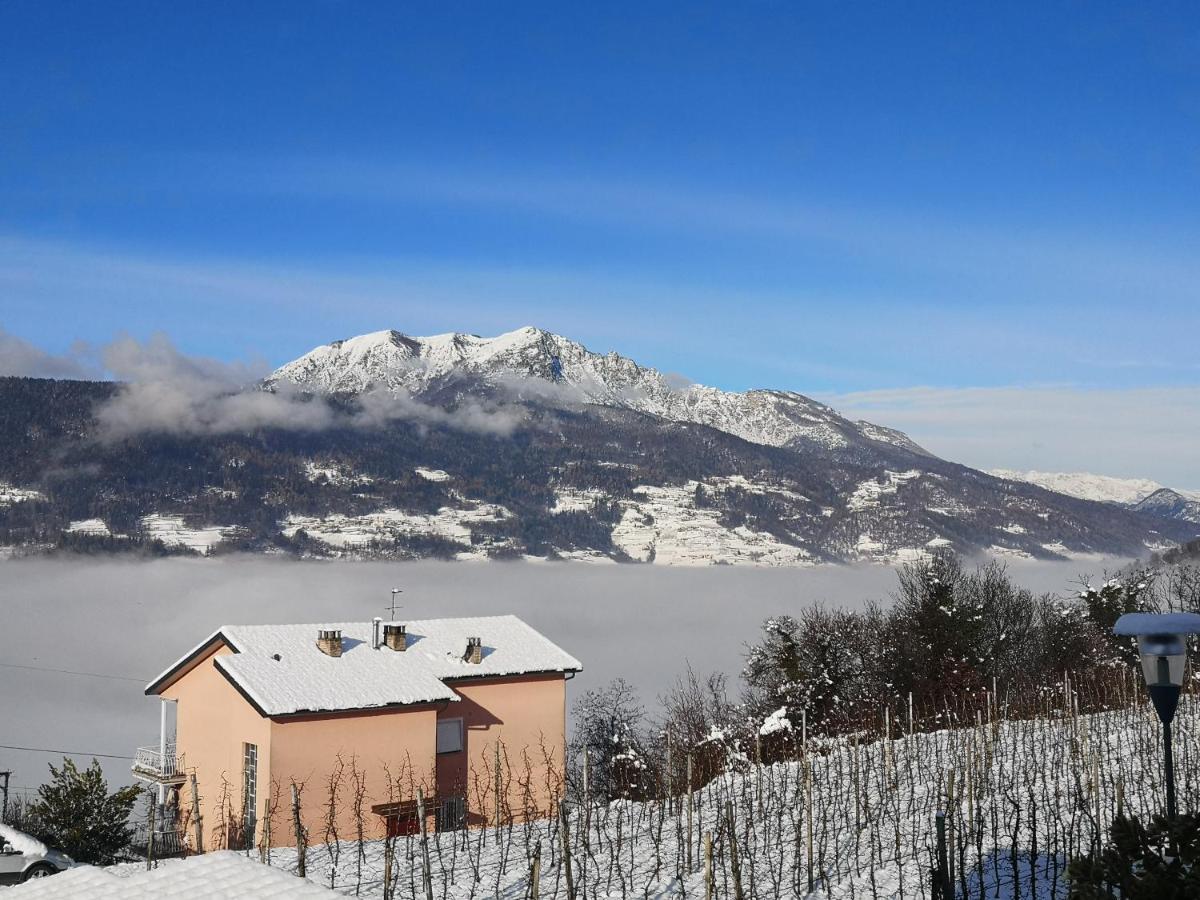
x: 173, y: 532
x: 853, y: 817
x: 867, y: 494
x: 352, y: 533
x: 93, y: 527
x: 333, y: 474
x: 10, y: 495
x: 664, y: 525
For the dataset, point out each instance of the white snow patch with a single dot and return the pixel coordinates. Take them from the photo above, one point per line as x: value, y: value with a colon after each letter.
x: 172, y: 531
x: 22, y: 842
x: 334, y: 474
x: 95, y: 527
x: 867, y: 494
x: 10, y: 495
x: 432, y: 474
x: 357, y: 532
x: 776, y: 722
x: 663, y: 525
x: 575, y: 500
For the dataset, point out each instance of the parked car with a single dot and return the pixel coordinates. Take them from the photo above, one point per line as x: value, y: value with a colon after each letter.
x: 23, y: 857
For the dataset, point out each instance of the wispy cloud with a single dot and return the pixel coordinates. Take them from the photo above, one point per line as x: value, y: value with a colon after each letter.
x: 1044, y: 256
x: 21, y: 358
x: 165, y: 391
x: 1135, y: 432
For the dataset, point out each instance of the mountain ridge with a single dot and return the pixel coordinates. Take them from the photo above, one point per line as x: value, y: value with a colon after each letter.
x: 395, y: 361
x: 388, y: 446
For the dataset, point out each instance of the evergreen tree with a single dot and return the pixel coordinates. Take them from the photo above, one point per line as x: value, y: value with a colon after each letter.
x: 76, y: 813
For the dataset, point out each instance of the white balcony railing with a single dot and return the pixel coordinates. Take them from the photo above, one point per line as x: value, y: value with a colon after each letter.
x: 150, y: 764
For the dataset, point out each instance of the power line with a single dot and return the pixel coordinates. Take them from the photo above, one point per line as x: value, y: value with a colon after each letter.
x: 72, y: 672
x: 63, y: 752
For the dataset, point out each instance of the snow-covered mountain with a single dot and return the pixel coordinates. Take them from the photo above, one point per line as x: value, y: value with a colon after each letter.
x: 402, y: 455
x: 1086, y: 486
x: 1172, y: 505
x: 533, y: 361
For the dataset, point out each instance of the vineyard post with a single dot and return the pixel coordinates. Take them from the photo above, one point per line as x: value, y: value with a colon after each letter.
x: 758, y: 771
x: 566, y: 850
x: 708, y: 866
x: 535, y: 873
x: 426, y: 873
x: 498, y: 788
x: 150, y: 836
x: 264, y: 850
x: 300, y: 848
x: 689, y: 812
x: 808, y: 815
x: 197, y: 822
x: 942, y: 885
x: 670, y: 777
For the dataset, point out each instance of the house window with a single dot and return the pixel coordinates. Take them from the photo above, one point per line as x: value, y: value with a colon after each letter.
x: 249, y: 792
x: 449, y: 735
x: 452, y: 814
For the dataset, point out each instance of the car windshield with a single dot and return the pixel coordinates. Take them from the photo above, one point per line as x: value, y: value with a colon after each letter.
x: 22, y: 842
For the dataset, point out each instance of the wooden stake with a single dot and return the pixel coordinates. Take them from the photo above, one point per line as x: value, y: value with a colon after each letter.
x: 499, y: 783
x: 197, y: 822
x: 564, y: 824
x: 689, y: 812
x: 808, y: 814
x: 708, y: 866
x: 426, y: 874
x: 150, y: 836
x: 535, y: 873
x: 301, y: 869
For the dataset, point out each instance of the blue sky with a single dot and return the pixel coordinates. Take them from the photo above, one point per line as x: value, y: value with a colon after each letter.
x: 841, y: 199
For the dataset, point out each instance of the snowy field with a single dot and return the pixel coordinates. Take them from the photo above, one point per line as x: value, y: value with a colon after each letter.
x: 846, y: 820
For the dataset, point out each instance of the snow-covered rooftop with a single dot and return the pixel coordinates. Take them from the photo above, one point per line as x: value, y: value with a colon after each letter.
x: 226, y: 875
x: 304, y: 679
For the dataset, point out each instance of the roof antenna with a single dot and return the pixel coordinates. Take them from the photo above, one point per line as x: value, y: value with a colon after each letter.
x: 392, y: 609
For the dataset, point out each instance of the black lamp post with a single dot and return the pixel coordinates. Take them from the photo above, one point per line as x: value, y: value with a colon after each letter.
x: 1162, y: 646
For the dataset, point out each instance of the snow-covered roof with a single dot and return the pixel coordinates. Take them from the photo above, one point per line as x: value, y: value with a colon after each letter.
x: 226, y: 875
x: 304, y: 679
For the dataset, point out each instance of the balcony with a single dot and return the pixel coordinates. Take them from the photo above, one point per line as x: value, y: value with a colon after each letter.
x: 149, y: 764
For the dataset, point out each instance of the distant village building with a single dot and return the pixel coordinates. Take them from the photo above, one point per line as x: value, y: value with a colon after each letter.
x: 425, y: 709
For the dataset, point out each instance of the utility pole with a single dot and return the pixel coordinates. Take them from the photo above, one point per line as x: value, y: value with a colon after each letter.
x: 4, y: 808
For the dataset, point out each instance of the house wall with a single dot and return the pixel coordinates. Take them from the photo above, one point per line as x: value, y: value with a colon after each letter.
x: 393, y: 749
x: 525, y: 718
x: 212, y: 723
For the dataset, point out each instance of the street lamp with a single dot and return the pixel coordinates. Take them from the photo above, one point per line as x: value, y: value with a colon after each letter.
x: 1163, y: 649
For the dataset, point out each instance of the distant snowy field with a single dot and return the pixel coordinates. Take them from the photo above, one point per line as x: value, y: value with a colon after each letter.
x: 124, y: 619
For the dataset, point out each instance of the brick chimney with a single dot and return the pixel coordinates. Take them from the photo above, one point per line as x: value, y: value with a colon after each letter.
x: 395, y: 636
x: 330, y: 642
x: 474, y: 652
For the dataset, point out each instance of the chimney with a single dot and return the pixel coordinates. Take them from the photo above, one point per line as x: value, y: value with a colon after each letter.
x: 474, y: 652
x: 395, y: 636
x: 375, y: 632
x: 330, y: 642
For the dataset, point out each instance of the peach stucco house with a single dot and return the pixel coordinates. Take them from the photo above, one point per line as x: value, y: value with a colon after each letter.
x: 428, y: 706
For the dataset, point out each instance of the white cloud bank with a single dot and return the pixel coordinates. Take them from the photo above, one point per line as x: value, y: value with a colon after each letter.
x: 1134, y: 432
x: 166, y: 391
x: 21, y: 358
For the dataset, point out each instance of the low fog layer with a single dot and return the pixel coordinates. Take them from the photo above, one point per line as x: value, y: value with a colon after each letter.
x: 133, y: 619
